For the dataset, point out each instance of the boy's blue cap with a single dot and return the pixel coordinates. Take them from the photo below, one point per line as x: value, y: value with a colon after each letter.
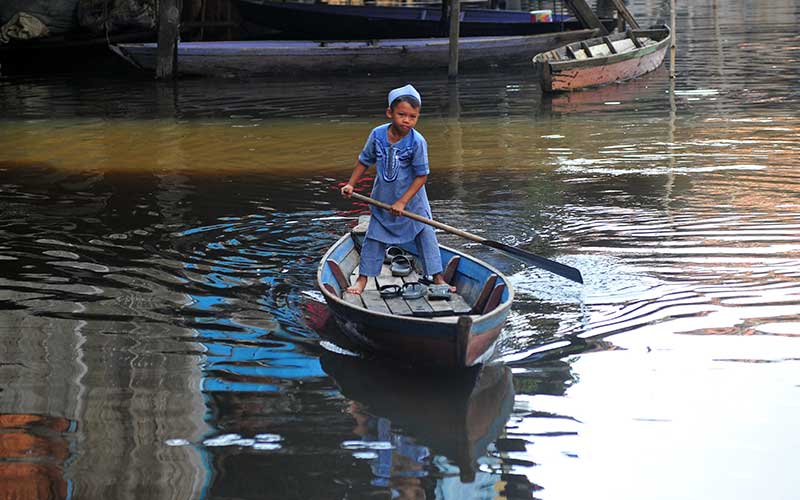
x: 402, y: 91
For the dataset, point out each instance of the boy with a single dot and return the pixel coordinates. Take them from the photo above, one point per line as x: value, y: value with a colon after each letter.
x: 400, y: 156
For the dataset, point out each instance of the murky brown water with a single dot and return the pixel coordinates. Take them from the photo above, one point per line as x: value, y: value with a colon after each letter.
x: 157, y: 306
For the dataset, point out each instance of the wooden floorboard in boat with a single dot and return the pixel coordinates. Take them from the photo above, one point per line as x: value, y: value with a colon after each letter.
x: 370, y: 299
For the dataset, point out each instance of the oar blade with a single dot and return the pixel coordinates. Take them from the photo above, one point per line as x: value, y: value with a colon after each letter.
x: 548, y: 265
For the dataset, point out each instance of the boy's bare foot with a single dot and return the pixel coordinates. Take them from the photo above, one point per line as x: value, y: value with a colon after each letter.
x: 358, y: 286
x: 438, y: 279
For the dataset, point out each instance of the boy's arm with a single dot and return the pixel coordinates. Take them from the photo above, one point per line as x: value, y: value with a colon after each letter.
x: 416, y: 185
x: 358, y: 171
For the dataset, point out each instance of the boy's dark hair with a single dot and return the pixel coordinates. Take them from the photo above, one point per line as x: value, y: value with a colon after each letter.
x: 411, y: 100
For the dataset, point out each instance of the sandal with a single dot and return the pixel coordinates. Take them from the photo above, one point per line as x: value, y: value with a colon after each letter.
x: 414, y: 290
x: 401, y: 265
x: 389, y: 291
x: 439, y: 292
x: 391, y: 253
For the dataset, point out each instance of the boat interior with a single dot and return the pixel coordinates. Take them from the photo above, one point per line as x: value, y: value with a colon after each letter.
x: 606, y: 46
x: 405, y: 292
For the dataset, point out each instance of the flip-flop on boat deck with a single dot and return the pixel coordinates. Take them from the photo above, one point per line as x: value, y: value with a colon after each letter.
x: 457, y: 331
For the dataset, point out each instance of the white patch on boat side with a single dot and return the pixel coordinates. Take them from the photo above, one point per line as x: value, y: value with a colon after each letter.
x: 176, y: 442
x: 330, y: 346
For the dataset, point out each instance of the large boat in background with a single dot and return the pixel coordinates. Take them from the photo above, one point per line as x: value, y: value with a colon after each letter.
x: 281, y: 57
x: 318, y: 21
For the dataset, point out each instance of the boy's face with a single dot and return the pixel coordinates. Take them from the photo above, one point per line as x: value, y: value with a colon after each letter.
x: 404, y: 117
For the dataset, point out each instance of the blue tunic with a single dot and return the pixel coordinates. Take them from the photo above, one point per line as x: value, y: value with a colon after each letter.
x: 396, y: 167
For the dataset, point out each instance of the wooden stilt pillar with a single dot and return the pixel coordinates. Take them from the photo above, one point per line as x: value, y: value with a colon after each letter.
x: 168, y: 28
x: 673, y: 47
x: 455, y: 26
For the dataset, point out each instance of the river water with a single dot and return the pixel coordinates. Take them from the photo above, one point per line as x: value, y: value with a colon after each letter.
x: 160, y: 326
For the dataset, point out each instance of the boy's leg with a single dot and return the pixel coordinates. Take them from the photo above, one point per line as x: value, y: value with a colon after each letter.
x: 369, y: 265
x: 428, y: 249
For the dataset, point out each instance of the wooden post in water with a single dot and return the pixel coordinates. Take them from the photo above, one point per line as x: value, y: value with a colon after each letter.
x: 674, y: 34
x: 455, y: 25
x: 167, y: 54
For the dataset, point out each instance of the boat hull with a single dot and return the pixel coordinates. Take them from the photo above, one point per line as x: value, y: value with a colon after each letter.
x: 450, y: 341
x: 345, y: 22
x: 274, y: 57
x: 558, y: 74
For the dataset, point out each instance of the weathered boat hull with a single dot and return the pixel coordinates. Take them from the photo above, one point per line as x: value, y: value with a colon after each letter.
x: 559, y: 72
x: 451, y: 341
x: 271, y: 57
x: 346, y: 22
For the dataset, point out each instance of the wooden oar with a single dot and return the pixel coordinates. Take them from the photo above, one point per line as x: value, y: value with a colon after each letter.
x: 536, y: 260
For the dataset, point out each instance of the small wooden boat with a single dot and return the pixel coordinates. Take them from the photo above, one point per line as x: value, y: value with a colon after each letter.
x: 458, y: 332
x: 346, y: 22
x: 270, y: 57
x: 602, y: 60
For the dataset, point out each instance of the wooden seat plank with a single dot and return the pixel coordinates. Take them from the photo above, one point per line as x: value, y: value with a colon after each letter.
x: 610, y: 45
x: 494, y: 298
x: 634, y: 39
x: 450, y: 268
x: 486, y: 290
x: 338, y: 274
x: 570, y: 53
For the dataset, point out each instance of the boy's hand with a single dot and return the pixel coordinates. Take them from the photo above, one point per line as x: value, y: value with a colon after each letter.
x: 347, y: 190
x: 398, y: 207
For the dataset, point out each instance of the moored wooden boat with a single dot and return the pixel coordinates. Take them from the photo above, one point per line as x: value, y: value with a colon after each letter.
x: 458, y: 332
x: 271, y: 57
x: 602, y: 60
x: 346, y: 22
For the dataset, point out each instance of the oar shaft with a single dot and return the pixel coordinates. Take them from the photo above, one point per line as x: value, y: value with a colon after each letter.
x: 419, y: 218
x: 536, y: 260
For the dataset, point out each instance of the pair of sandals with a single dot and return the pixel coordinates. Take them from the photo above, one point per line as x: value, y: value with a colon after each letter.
x: 416, y: 290
x: 401, y: 263
x: 409, y: 291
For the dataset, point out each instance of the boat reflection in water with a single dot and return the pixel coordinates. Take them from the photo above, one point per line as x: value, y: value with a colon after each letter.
x: 416, y: 425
